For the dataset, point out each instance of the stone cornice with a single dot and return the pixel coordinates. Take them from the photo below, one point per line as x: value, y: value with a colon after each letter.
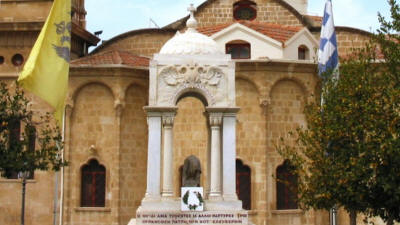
x: 37, y: 26
x: 109, y: 71
x: 297, y: 66
x: 84, y: 34
x: 21, y: 26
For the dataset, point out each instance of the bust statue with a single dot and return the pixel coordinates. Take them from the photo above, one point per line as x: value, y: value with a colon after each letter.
x: 191, y: 172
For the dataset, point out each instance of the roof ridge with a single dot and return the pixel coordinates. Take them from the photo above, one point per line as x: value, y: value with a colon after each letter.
x: 275, y: 31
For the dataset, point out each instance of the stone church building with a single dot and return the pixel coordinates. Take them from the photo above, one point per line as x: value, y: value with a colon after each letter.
x: 273, y: 45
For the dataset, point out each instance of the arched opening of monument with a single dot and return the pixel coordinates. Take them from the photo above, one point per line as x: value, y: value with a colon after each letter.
x: 190, y: 133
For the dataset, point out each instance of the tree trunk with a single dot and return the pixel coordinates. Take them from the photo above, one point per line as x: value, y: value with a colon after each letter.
x: 390, y: 221
x: 353, y: 217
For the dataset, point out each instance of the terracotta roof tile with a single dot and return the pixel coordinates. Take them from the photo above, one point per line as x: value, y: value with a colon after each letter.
x: 112, y: 58
x: 278, y: 32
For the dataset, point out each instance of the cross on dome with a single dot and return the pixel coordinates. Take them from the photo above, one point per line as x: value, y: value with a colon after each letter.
x: 191, y: 9
x: 191, y: 22
x: 190, y: 42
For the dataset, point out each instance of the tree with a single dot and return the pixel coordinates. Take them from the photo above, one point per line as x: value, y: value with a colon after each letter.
x: 37, y: 147
x: 349, y: 154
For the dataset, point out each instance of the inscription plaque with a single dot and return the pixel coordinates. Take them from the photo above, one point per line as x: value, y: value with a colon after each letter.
x: 193, y: 218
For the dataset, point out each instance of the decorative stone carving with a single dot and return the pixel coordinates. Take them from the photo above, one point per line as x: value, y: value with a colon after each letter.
x: 215, y: 119
x: 264, y: 103
x: 168, y: 120
x: 69, y: 108
x: 191, y: 172
x: 207, y: 80
x: 119, y: 106
x: 191, y: 74
x: 92, y: 150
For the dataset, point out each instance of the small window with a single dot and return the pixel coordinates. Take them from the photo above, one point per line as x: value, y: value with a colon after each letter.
x: 238, y: 50
x: 243, y: 184
x: 286, y: 187
x: 1, y: 60
x: 303, y: 53
x: 17, y: 60
x: 245, y: 10
x: 93, y: 185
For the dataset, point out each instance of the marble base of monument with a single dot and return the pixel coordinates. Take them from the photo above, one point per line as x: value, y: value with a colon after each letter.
x: 168, y: 212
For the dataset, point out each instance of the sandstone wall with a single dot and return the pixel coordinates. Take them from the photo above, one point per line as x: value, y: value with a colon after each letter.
x: 221, y: 12
x: 133, y: 156
x: 251, y: 144
x: 93, y: 122
x: 190, y: 138
x: 16, y: 11
x: 144, y: 43
x: 12, y: 43
x: 348, y: 40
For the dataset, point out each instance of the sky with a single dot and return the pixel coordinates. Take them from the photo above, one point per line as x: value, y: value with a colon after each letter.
x: 115, y: 17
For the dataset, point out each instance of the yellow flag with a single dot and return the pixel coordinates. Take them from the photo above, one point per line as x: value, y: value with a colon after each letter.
x: 46, y: 71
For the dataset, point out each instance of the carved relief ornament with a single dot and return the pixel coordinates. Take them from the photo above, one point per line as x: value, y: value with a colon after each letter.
x: 168, y: 120
x: 191, y: 74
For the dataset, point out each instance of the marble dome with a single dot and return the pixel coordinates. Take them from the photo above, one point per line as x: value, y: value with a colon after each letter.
x: 191, y: 42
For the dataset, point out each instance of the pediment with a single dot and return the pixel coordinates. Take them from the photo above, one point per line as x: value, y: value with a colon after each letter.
x: 246, y: 33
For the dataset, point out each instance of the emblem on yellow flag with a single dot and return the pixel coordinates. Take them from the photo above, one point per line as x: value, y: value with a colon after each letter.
x: 64, y: 30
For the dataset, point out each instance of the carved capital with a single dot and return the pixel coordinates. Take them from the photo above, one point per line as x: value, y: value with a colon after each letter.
x: 215, y: 119
x: 264, y: 103
x: 119, y: 107
x: 68, y: 109
x: 168, y: 120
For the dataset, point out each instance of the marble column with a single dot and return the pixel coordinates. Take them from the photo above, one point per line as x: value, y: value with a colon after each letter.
x: 153, y: 156
x: 215, y: 181
x: 229, y: 159
x: 168, y: 157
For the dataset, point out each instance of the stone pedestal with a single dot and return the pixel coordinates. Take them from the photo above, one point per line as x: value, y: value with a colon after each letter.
x: 168, y: 212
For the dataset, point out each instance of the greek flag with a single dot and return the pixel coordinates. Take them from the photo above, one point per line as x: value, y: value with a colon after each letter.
x: 328, y: 52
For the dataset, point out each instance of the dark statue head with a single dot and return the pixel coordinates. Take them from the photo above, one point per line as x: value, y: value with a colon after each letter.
x: 191, y: 172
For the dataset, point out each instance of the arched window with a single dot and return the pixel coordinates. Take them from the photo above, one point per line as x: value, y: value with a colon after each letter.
x: 239, y: 49
x: 244, y: 10
x: 286, y: 187
x: 243, y: 184
x: 93, y: 186
x: 303, y: 53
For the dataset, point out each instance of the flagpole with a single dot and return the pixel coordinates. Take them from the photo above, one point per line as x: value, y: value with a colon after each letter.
x: 62, y: 171
x: 328, y: 61
x: 55, y: 204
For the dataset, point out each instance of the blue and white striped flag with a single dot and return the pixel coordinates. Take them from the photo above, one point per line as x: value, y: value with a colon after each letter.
x: 328, y: 59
